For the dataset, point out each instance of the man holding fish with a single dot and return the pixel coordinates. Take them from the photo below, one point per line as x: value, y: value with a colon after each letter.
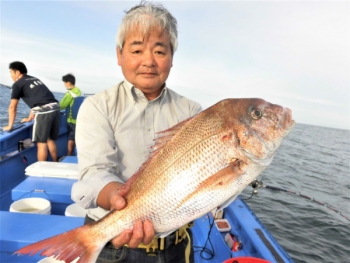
x: 117, y: 127
x: 154, y: 158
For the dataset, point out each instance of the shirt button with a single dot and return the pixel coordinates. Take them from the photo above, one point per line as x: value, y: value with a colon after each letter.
x: 149, y: 129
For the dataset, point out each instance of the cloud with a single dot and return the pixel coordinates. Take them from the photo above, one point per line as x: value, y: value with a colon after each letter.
x: 49, y: 60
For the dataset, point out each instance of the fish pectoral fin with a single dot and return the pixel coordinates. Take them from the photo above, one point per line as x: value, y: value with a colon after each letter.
x: 225, y: 176
x: 238, y: 166
x: 218, y: 181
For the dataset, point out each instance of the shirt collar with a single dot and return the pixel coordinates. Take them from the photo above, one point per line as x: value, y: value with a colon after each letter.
x: 138, y: 94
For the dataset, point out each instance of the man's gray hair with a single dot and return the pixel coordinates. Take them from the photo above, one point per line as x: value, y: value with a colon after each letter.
x: 147, y: 17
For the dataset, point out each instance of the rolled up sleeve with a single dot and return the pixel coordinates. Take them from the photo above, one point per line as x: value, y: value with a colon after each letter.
x: 97, y: 153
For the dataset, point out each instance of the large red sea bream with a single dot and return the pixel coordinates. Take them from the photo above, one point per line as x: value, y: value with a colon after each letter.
x: 190, y: 173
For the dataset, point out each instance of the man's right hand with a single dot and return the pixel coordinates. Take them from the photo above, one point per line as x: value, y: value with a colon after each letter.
x: 141, y: 232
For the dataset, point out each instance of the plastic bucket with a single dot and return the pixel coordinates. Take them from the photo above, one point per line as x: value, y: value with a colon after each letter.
x: 33, y: 205
x: 75, y: 210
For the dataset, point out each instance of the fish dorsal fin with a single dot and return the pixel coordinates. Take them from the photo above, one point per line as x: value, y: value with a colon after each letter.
x: 174, y: 129
x: 129, y: 182
x: 163, y: 138
x: 133, y: 178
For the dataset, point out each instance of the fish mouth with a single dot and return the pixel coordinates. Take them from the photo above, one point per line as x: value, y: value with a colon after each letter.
x: 290, y: 128
x: 287, y: 123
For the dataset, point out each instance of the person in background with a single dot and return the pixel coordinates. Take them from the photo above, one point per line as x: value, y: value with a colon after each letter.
x: 117, y: 127
x: 45, y: 110
x: 67, y: 101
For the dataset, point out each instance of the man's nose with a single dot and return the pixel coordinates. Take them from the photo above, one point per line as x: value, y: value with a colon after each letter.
x: 148, y: 59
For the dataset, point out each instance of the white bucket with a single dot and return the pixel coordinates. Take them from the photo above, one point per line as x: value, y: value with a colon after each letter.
x: 75, y: 210
x: 31, y: 205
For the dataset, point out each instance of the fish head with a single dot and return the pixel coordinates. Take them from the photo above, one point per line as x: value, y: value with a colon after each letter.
x: 259, y: 127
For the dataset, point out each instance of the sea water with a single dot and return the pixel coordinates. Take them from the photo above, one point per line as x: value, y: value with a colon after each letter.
x: 312, y: 160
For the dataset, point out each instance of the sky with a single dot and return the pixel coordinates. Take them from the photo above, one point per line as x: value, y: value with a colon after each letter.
x: 292, y: 53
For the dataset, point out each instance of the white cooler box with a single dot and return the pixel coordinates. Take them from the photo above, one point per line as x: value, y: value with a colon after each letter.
x: 53, y: 169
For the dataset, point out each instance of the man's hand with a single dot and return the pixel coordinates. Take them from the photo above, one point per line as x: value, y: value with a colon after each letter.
x: 141, y: 232
x: 26, y: 120
x: 109, y: 198
x: 7, y: 128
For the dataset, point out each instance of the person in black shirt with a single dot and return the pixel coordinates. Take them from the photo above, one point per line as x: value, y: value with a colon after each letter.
x: 45, y: 110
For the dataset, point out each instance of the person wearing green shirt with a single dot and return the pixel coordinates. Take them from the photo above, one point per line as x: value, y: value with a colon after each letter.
x: 67, y: 101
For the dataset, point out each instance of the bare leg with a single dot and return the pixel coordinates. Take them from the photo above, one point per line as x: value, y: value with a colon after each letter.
x: 51, y: 144
x: 42, y: 151
x: 70, y: 147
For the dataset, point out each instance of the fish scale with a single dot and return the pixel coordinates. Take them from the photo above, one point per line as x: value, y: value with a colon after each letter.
x: 197, y: 165
x: 177, y: 175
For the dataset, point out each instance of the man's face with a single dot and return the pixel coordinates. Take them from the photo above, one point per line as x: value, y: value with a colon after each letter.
x: 146, y: 62
x: 15, y: 74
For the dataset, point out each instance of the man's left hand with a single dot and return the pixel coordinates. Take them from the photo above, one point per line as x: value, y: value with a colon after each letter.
x: 7, y: 128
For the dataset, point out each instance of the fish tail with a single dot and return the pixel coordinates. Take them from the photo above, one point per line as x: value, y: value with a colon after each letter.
x: 68, y: 246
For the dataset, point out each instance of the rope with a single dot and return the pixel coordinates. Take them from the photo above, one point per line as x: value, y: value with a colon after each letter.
x: 259, y: 184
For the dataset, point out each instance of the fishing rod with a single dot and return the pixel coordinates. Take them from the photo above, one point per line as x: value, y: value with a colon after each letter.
x: 256, y: 184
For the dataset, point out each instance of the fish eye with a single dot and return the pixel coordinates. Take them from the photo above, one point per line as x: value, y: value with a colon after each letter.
x: 256, y: 114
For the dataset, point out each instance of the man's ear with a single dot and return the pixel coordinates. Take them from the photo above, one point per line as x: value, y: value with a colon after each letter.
x: 119, y: 56
x: 18, y: 74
